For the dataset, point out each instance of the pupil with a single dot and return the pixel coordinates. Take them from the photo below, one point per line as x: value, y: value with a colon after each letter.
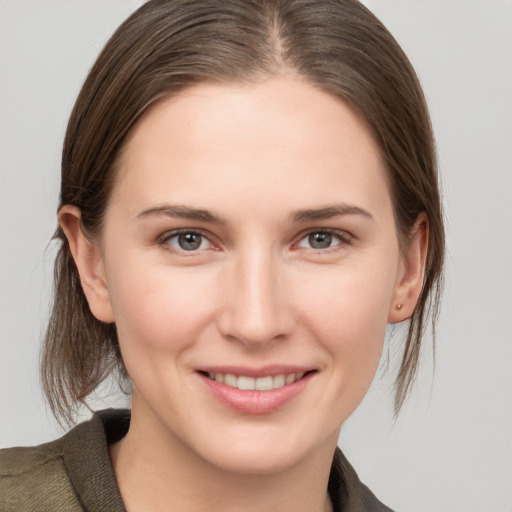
x: 189, y: 241
x: 320, y: 240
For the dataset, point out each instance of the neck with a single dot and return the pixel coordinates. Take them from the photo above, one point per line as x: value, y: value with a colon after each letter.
x: 155, y: 469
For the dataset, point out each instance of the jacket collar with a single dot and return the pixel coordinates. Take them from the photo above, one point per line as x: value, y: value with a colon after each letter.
x: 87, y: 462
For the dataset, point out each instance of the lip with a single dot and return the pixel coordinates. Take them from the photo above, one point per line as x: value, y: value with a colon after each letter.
x: 256, y: 402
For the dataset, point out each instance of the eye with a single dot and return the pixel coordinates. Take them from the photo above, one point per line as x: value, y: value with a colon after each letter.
x: 322, y: 240
x: 187, y: 241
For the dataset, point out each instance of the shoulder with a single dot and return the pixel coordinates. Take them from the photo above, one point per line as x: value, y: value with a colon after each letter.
x: 72, y: 473
x: 18, y: 461
x: 347, y: 492
x: 35, y: 479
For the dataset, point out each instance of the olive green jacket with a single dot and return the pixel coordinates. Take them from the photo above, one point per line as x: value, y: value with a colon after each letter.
x: 74, y: 473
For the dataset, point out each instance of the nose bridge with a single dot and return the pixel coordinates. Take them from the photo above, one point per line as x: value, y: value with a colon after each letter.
x: 255, y: 310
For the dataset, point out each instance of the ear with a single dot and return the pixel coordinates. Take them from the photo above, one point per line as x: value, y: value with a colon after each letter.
x: 89, y: 261
x: 411, y: 272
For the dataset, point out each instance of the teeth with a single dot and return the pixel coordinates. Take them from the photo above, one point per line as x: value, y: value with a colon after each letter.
x: 264, y: 383
x: 245, y: 383
x: 279, y: 381
x: 230, y: 380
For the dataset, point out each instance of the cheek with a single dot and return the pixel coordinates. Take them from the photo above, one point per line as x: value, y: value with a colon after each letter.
x: 349, y: 315
x: 159, y: 309
x: 350, y: 322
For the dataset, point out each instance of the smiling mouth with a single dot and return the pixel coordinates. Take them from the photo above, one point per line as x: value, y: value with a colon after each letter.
x: 246, y: 383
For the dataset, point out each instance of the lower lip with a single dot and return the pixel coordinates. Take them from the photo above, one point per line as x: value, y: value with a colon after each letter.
x: 256, y: 402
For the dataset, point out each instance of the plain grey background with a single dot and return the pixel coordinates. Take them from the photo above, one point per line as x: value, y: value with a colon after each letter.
x: 451, y: 448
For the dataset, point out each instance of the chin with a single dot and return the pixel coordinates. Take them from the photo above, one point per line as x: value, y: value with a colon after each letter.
x: 247, y: 461
x: 266, y: 453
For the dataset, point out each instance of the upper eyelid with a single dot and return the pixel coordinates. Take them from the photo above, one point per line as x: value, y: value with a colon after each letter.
x: 341, y: 233
x: 175, y: 232
x: 344, y: 235
x: 345, y: 239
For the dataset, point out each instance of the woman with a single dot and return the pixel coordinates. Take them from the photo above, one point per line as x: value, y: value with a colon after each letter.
x: 248, y: 198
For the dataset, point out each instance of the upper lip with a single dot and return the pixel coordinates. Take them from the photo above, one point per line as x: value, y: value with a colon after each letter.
x: 262, y: 371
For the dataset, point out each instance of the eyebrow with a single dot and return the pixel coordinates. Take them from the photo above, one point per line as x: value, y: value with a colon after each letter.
x: 328, y: 212
x: 182, y: 212
x: 186, y: 212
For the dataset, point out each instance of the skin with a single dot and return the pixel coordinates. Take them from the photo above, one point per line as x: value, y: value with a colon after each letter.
x: 256, y: 292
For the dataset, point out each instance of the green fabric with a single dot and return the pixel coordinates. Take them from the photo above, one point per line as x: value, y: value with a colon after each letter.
x: 74, y: 473
x: 70, y: 474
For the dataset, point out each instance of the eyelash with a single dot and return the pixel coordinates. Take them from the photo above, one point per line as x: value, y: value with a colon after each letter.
x: 164, y: 241
x: 344, y: 239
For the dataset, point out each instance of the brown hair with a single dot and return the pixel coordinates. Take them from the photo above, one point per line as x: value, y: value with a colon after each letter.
x: 167, y: 45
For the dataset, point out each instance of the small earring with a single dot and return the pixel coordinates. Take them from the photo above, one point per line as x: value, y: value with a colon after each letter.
x: 399, y: 306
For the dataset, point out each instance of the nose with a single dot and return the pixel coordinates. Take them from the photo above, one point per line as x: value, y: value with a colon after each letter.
x: 256, y: 307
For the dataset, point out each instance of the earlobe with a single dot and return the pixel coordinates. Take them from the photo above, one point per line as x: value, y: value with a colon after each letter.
x: 411, y: 273
x: 89, y: 261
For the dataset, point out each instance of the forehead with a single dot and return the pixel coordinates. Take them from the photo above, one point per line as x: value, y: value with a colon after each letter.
x: 279, y: 137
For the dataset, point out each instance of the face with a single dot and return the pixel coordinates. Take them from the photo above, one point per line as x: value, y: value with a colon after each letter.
x: 250, y: 261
